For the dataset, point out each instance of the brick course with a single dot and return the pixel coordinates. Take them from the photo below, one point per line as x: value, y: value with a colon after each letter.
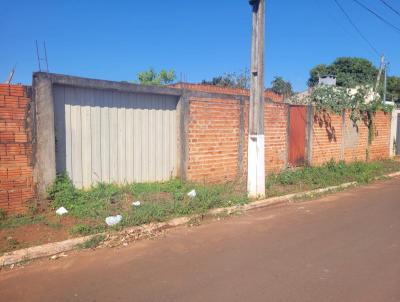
x: 275, y: 128
x: 269, y: 95
x: 327, y: 136
x: 380, y: 148
x: 16, y: 167
x: 355, y: 140
x: 213, y: 140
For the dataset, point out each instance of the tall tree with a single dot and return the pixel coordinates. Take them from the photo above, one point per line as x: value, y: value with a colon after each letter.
x: 280, y: 86
x: 349, y: 72
x: 393, y: 89
x: 151, y: 77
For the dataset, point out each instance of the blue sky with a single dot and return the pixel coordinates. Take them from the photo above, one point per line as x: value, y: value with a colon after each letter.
x: 115, y: 40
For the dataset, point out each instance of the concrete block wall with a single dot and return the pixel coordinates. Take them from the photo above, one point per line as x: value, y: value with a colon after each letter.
x: 16, y: 159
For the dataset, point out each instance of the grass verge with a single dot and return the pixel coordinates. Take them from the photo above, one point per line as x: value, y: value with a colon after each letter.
x: 163, y: 201
x: 159, y: 201
x: 330, y: 174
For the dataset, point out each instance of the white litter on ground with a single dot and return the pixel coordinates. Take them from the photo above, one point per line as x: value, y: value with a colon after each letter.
x: 113, y: 220
x: 61, y: 211
x: 192, y: 193
x: 136, y: 203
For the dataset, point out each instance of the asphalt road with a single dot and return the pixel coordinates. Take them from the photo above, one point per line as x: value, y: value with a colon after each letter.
x: 343, y: 247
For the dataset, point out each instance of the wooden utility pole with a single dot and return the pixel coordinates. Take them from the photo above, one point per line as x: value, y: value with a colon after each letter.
x: 256, y: 165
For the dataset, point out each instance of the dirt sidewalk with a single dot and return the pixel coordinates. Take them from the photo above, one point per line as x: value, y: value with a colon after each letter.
x: 344, y: 247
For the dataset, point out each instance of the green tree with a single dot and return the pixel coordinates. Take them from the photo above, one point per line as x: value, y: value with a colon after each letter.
x: 393, y: 89
x: 151, y: 77
x: 234, y: 80
x: 316, y: 72
x: 280, y: 86
x: 350, y: 72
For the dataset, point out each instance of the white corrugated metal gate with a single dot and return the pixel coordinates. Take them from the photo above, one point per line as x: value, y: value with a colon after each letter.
x: 111, y: 136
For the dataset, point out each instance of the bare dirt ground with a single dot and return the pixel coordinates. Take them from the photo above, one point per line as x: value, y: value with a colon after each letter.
x: 343, y: 247
x: 51, y: 229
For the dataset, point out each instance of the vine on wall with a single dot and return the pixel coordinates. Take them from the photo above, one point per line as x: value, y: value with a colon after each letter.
x: 362, y: 104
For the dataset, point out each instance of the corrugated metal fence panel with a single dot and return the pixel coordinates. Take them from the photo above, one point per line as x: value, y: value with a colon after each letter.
x: 109, y: 136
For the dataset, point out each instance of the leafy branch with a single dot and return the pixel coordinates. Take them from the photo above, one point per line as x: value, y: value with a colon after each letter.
x: 362, y: 103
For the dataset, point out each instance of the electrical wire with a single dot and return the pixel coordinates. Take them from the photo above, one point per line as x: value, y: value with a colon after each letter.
x: 356, y: 28
x: 390, y: 7
x: 378, y: 16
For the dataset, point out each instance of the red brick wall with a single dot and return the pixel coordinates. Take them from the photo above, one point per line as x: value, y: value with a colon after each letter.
x: 275, y: 127
x: 355, y: 140
x: 379, y: 148
x: 330, y: 141
x: 327, y: 136
x: 213, y: 140
x: 16, y: 169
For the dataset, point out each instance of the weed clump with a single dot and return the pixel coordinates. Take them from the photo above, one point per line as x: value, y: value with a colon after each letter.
x: 93, y: 242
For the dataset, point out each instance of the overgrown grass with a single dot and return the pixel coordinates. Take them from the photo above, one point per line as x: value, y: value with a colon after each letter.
x: 159, y: 201
x: 20, y: 220
x: 330, y: 174
x: 163, y: 201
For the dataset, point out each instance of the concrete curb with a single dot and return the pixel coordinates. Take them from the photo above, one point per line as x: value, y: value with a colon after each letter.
x: 392, y: 174
x: 41, y: 251
x: 51, y: 249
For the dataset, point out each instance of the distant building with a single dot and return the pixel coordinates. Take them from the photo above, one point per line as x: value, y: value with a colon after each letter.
x: 328, y: 80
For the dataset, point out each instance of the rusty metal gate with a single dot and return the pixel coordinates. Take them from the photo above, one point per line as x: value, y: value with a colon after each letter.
x: 297, y: 135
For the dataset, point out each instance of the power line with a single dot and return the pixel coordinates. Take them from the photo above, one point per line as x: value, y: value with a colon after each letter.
x: 377, y: 15
x: 356, y: 28
x: 390, y: 7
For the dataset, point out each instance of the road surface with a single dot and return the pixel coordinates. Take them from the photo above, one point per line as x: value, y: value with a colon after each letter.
x: 343, y: 247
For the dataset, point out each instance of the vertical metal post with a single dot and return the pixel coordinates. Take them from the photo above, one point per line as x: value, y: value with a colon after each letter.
x: 38, y: 57
x: 256, y: 160
x: 45, y: 56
